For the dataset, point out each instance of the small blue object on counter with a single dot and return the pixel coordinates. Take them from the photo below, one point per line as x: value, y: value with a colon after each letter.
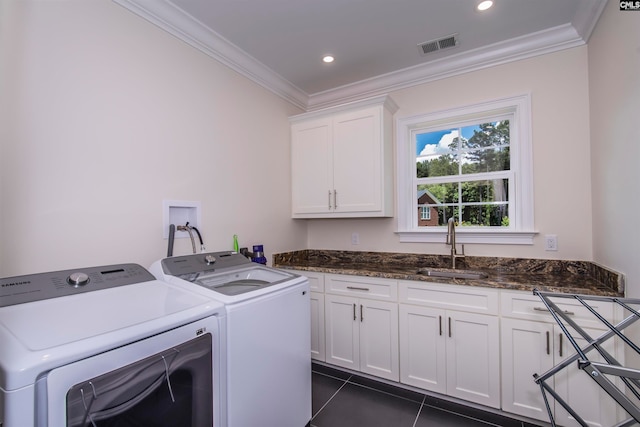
x: 258, y: 255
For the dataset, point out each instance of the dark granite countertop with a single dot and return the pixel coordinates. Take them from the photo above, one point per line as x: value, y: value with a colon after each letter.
x: 575, y: 277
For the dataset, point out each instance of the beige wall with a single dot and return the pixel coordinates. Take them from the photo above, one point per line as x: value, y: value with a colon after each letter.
x: 558, y: 84
x: 614, y: 88
x: 103, y: 116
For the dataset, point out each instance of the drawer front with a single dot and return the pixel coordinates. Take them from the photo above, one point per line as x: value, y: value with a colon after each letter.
x: 524, y: 305
x: 362, y: 287
x: 462, y: 298
x: 316, y: 280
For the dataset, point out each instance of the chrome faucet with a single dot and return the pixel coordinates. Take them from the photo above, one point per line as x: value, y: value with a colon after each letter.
x: 451, y: 240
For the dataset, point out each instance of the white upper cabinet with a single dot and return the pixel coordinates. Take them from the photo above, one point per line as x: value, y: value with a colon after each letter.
x: 342, y: 161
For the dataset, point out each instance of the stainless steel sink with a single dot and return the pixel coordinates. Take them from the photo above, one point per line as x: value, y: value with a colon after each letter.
x: 452, y: 273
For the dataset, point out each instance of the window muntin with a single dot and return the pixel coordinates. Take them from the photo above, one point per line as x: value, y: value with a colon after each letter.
x: 487, y: 181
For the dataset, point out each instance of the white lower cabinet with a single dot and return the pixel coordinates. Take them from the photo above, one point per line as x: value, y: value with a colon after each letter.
x: 451, y: 352
x: 450, y: 340
x: 362, y: 334
x: 317, y: 326
x: 534, y: 347
x: 477, y: 344
x: 361, y: 324
x: 316, y: 284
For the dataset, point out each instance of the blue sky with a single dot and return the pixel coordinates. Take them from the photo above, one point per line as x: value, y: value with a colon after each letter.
x: 439, y: 140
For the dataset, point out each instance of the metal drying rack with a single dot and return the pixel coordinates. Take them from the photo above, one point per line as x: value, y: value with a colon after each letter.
x: 597, y: 371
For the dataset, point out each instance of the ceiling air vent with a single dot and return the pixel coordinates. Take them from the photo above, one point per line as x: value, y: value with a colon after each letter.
x: 436, y: 45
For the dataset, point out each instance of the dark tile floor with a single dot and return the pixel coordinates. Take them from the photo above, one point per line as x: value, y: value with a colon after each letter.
x: 344, y: 400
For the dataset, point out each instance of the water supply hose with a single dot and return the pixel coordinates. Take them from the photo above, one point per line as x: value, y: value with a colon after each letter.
x: 188, y: 230
x: 172, y: 233
x: 202, y: 248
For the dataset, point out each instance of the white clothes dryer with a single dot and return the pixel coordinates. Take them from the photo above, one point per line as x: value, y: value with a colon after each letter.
x: 109, y: 345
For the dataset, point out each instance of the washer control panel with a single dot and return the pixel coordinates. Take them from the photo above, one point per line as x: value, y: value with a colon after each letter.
x: 203, y: 263
x: 36, y: 287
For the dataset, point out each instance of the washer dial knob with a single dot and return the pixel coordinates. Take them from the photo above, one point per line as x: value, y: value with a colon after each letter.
x: 78, y: 279
x: 210, y: 259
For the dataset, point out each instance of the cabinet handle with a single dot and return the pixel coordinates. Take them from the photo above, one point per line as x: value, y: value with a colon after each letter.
x: 354, y: 312
x: 329, y: 199
x: 440, y: 324
x: 560, y: 349
x: 548, y: 348
x: 361, y: 315
x: 567, y: 312
x: 335, y: 199
x: 449, y: 327
x: 357, y: 288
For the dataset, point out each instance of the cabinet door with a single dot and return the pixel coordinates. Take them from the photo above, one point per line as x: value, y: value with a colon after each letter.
x: 379, y: 338
x: 311, y: 167
x: 527, y: 349
x: 576, y: 387
x: 317, y: 326
x: 473, y: 358
x: 535, y: 347
x: 357, y: 161
x: 342, y: 331
x: 423, y: 356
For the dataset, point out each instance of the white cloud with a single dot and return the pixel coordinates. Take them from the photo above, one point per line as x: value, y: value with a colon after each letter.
x: 440, y: 148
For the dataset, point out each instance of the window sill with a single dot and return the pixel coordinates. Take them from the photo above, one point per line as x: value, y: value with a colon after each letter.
x: 469, y: 237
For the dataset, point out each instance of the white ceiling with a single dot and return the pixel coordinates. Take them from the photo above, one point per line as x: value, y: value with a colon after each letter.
x: 280, y: 43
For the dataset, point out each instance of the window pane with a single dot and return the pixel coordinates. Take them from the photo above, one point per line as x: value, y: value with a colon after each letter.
x: 438, y: 142
x: 437, y: 165
x: 486, y: 160
x: 438, y: 216
x: 437, y: 193
x: 484, y: 135
x: 496, y: 190
x: 485, y: 215
x: 480, y: 148
x: 435, y: 153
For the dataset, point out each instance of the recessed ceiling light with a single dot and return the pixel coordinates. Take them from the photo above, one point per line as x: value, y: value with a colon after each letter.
x: 484, y: 5
x: 328, y: 59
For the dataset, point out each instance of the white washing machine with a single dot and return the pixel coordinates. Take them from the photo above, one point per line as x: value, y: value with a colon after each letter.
x: 109, y: 346
x: 268, y: 334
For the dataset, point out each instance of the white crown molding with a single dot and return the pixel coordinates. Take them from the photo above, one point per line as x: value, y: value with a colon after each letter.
x: 542, y: 42
x: 384, y: 100
x: 174, y: 20
x: 587, y: 17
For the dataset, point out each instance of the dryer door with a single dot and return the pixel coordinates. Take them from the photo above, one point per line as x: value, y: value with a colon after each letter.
x: 167, y: 379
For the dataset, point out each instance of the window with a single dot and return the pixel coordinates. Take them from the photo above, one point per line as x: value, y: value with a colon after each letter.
x: 467, y: 169
x: 472, y: 164
x: 425, y: 213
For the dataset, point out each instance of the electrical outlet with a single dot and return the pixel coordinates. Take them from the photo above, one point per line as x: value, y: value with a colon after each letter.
x: 550, y: 242
x: 355, y: 239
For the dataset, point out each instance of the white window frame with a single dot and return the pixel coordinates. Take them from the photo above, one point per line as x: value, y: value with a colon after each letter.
x: 521, y: 224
